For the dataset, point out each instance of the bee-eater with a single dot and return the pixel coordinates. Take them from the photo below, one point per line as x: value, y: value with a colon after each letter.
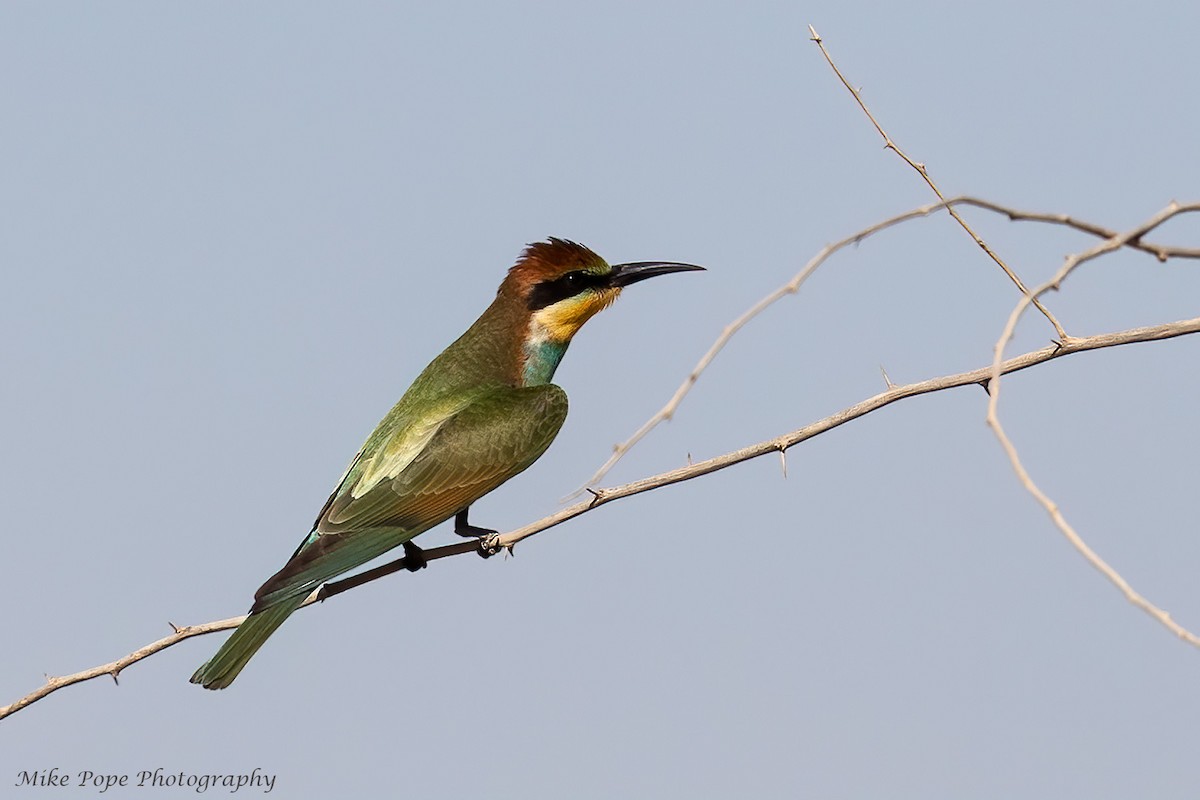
x: 480, y: 413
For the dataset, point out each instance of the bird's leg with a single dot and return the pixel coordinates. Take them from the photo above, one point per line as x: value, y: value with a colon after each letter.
x: 464, y: 528
x: 484, y: 535
x: 414, y: 557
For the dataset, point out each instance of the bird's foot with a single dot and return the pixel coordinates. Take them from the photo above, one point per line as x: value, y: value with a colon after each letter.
x: 489, y: 544
x: 487, y: 536
x: 414, y: 557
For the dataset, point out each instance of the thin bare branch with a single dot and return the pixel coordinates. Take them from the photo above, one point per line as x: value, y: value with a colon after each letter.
x: 181, y: 633
x: 1072, y: 262
x: 665, y: 413
x: 924, y: 173
x: 1161, y: 252
x: 600, y: 497
x: 982, y: 375
x: 113, y: 668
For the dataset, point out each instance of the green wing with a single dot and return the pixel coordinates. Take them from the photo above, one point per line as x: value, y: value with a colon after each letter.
x: 420, y: 476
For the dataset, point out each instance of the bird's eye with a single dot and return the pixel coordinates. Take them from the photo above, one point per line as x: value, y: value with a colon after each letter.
x: 568, y: 285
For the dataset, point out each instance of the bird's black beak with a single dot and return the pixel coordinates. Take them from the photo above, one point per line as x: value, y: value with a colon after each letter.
x: 625, y: 274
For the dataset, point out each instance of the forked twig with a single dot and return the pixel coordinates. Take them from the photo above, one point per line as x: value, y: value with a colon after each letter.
x: 890, y: 144
x: 1114, y: 242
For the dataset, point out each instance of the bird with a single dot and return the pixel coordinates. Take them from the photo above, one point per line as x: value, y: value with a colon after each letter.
x: 480, y: 413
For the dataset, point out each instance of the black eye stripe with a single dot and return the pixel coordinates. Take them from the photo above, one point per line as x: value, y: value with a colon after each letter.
x: 547, y: 293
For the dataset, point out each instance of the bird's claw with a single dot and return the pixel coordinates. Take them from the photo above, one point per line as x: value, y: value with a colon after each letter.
x: 489, y: 544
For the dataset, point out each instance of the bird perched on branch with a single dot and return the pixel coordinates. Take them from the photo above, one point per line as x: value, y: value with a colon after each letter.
x: 480, y: 413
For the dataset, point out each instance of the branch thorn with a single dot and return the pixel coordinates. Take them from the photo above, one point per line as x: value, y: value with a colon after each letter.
x: 597, y: 495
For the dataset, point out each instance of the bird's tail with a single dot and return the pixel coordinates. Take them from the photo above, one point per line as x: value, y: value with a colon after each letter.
x: 220, y: 670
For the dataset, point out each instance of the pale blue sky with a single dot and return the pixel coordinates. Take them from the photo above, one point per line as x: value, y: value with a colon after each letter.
x: 232, y: 233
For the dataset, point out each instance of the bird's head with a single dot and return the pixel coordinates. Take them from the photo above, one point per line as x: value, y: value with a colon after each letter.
x: 561, y: 285
x: 564, y: 284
